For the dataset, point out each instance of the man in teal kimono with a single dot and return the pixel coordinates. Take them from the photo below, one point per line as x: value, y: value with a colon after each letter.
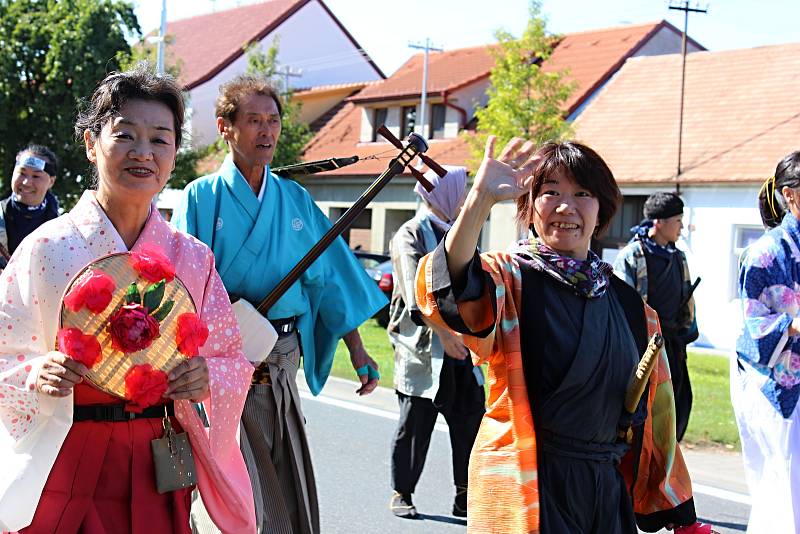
x: 259, y: 226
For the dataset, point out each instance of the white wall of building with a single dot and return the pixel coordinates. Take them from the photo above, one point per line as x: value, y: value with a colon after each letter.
x: 665, y: 41
x: 713, y: 217
x: 329, y: 58
x: 470, y: 97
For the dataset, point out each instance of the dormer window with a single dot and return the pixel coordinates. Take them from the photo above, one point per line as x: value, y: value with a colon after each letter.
x: 437, y: 121
x: 408, y: 120
x: 378, y: 118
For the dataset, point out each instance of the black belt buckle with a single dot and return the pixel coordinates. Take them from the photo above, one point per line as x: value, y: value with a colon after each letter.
x: 283, y: 326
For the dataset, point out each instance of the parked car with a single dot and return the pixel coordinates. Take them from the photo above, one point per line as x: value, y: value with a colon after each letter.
x: 379, y: 268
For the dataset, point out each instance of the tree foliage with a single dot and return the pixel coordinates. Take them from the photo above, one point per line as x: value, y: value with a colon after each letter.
x: 294, y: 133
x: 52, y: 54
x: 524, y: 100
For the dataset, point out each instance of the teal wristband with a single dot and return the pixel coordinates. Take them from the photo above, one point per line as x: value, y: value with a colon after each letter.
x: 368, y: 370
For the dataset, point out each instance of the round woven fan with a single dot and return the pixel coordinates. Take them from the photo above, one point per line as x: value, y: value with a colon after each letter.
x: 129, y: 288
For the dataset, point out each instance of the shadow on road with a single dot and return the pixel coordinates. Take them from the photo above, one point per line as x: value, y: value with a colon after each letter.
x: 442, y: 519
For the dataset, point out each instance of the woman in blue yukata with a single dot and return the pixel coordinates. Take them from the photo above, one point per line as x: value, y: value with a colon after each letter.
x: 765, y: 377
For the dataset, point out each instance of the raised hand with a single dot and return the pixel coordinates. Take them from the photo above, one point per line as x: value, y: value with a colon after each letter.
x: 505, y: 178
x: 509, y: 176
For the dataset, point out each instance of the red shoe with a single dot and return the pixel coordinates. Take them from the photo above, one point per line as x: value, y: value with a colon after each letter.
x: 697, y: 528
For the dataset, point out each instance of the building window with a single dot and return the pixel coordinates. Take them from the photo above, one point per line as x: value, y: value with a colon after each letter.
x: 359, y: 235
x: 743, y: 237
x: 408, y: 120
x: 378, y: 119
x: 437, y: 121
x: 618, y: 234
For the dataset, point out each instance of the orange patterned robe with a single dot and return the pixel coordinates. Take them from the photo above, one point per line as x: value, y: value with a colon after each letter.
x: 503, y: 486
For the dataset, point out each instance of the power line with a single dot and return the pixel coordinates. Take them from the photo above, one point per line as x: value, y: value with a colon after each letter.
x: 683, y: 6
x: 286, y: 71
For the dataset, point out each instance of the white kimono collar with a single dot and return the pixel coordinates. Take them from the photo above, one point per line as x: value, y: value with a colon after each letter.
x: 97, y: 229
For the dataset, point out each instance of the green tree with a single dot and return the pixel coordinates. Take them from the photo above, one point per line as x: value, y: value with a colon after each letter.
x: 52, y: 54
x: 187, y: 158
x: 524, y: 100
x: 294, y: 133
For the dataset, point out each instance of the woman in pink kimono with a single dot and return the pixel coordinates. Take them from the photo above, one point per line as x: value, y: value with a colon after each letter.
x: 66, y: 465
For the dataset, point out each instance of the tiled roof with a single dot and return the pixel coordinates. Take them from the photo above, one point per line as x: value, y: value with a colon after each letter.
x: 590, y: 56
x: 332, y: 88
x: 741, y: 115
x: 206, y: 44
x: 340, y: 138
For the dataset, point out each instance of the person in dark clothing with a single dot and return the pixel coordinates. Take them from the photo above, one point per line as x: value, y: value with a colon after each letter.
x: 31, y: 203
x: 658, y: 271
x: 433, y: 372
x: 556, y: 451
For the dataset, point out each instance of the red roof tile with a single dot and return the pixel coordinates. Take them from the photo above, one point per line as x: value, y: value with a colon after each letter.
x: 340, y: 137
x: 741, y: 115
x: 591, y: 57
x: 206, y: 44
x: 446, y: 72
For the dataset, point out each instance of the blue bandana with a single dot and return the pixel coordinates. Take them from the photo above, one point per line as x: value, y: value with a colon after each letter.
x: 641, y: 232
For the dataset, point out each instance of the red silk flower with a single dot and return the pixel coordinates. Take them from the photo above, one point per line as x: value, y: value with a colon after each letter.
x: 191, y: 335
x: 93, y: 290
x: 132, y: 328
x: 83, y: 348
x: 144, y: 386
x: 151, y: 262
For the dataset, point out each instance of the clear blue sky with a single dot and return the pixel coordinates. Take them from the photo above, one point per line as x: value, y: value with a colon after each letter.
x: 384, y: 28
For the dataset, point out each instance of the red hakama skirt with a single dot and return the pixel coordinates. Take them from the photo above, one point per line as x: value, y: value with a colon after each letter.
x: 103, y: 480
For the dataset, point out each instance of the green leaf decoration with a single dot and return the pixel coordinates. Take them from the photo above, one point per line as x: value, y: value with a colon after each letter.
x: 161, y: 314
x: 132, y: 295
x: 153, y: 296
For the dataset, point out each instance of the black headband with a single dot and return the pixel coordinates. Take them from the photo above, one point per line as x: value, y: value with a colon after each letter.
x: 663, y: 206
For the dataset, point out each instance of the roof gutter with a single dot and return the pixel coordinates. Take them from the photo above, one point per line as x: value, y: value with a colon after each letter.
x: 461, y: 111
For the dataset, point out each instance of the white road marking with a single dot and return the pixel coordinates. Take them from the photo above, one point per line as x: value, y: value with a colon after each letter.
x: 719, y: 493
x: 386, y: 414
x: 394, y: 416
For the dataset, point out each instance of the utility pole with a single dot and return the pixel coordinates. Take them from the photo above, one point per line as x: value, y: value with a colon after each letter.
x: 287, y: 72
x: 683, y: 6
x: 420, y: 126
x: 161, y: 38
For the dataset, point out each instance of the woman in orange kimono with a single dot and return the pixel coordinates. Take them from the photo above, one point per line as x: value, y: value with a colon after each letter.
x: 562, y: 337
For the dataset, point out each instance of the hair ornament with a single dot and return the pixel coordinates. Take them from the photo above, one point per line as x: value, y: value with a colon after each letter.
x: 769, y: 188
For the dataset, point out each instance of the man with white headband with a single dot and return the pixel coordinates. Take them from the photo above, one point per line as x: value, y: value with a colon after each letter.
x: 31, y: 203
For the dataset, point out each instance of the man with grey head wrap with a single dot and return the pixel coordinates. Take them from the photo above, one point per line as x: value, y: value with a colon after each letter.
x: 433, y: 370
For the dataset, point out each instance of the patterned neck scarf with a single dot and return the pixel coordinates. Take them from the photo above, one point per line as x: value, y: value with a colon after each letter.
x: 17, y: 203
x: 588, y: 278
x: 641, y: 232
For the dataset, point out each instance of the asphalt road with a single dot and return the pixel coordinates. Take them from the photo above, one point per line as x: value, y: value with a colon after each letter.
x: 350, y: 446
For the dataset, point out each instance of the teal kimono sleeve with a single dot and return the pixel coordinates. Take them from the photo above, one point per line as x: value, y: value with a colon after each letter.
x: 184, y: 216
x: 346, y: 298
